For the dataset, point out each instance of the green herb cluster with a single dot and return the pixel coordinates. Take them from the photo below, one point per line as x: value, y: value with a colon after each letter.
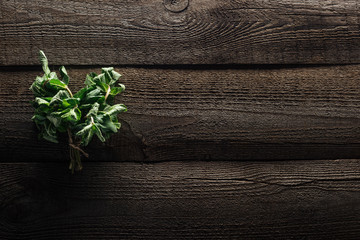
x: 82, y: 115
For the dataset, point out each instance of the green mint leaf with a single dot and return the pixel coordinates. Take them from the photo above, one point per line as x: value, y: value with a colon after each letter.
x: 71, y: 115
x: 38, y: 119
x: 49, y: 138
x: 82, y: 92
x: 85, y: 107
x: 116, y: 90
x: 112, y: 110
x: 115, y: 75
x: 98, y: 133
x: 111, y: 76
x: 44, y: 62
x: 108, y: 125
x: 55, y: 119
x: 64, y: 75
x: 102, y: 86
x: 86, y: 133
x: 59, y: 96
x: 89, y: 79
x: 107, y: 74
x: 56, y: 84
x: 93, y: 96
x: 49, y: 132
x: 93, y: 111
x: 37, y: 88
x: 52, y: 75
x: 106, y: 69
x: 70, y: 102
x: 40, y: 101
x: 100, y: 78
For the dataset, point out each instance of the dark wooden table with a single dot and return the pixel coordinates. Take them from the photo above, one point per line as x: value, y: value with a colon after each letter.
x: 243, y: 121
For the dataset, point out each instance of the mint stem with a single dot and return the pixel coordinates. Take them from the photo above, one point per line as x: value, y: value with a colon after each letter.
x: 75, y: 158
x: 69, y: 91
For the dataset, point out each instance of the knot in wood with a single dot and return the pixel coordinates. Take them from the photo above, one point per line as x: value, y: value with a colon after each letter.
x: 176, y: 6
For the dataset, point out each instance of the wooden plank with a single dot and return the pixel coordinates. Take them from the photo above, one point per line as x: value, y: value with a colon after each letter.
x: 228, y: 114
x: 88, y: 32
x: 182, y: 200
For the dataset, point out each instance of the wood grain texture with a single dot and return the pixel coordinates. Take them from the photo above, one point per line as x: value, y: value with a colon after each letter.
x: 89, y: 32
x: 203, y: 114
x: 182, y: 200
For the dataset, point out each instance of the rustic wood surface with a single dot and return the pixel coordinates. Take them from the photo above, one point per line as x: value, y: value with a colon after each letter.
x: 182, y: 200
x: 89, y: 32
x: 210, y: 114
x: 198, y: 155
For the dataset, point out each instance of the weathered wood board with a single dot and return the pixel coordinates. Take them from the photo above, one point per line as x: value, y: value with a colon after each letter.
x: 89, y: 32
x: 218, y: 93
x: 182, y: 200
x: 187, y: 114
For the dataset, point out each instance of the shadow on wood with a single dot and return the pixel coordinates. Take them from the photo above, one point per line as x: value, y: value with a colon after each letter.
x: 188, y: 200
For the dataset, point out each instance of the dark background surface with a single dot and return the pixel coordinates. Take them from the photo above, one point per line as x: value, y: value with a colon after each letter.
x: 243, y: 121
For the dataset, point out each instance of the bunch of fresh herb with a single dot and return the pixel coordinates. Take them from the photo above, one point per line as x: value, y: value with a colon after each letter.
x: 82, y: 115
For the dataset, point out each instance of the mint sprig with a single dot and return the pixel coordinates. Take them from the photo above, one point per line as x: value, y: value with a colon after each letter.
x: 82, y: 115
